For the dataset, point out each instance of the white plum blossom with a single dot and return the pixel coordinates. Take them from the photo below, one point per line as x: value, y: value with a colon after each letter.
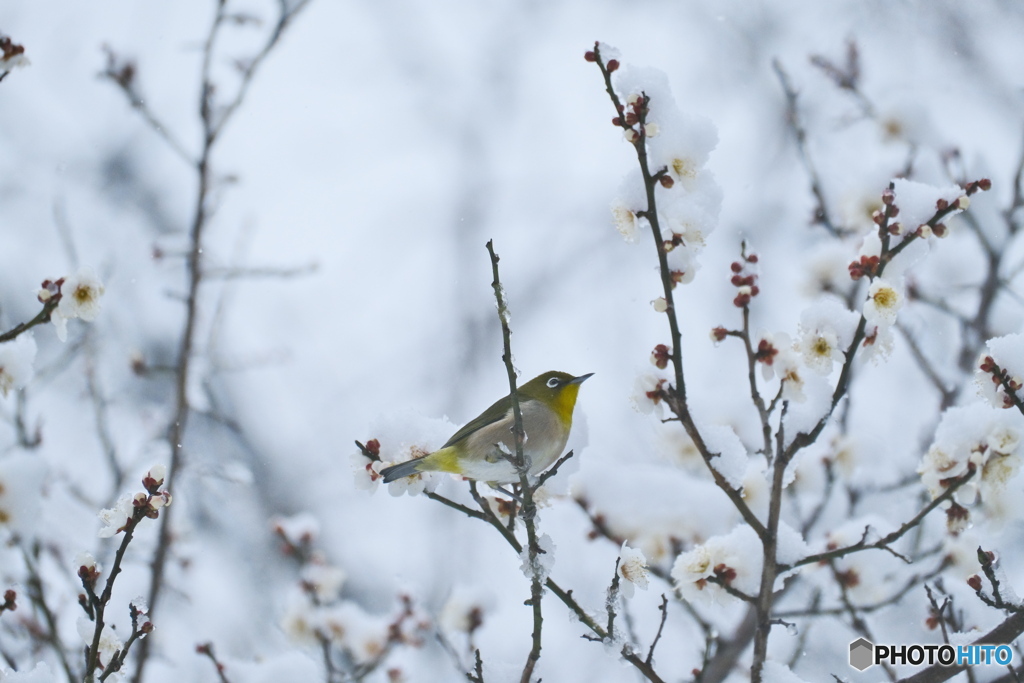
x: 80, y: 298
x: 884, y: 300
x: 646, y: 396
x: 632, y: 570
x: 115, y: 518
x: 109, y: 644
x: 826, y: 330
x: 626, y: 221
x: 464, y: 610
x: 366, y: 472
x: 819, y: 348
x: 988, y: 441
x: 733, y: 560
x: 16, y: 359
x: 878, y: 343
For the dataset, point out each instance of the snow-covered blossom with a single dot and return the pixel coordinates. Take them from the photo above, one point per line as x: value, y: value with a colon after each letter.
x: 632, y: 570
x: 80, y: 298
x: 109, y: 645
x: 114, y: 519
x: 779, y: 359
x: 85, y: 559
x: 324, y: 580
x: 975, y: 437
x: 728, y: 560
x: 878, y: 343
x: 883, y: 302
x: 647, y: 394
x: 366, y: 472
x: 819, y: 348
x: 792, y: 375
x: 626, y: 221
x: 12, y: 56
x: 16, y: 359
x: 21, y: 483
x: 826, y: 330
x: 464, y: 610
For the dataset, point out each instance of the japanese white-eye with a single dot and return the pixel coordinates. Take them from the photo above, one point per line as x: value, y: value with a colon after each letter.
x: 481, y: 450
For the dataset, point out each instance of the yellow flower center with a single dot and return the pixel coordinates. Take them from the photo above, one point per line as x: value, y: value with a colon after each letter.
x: 684, y: 168
x: 821, y: 347
x: 885, y: 297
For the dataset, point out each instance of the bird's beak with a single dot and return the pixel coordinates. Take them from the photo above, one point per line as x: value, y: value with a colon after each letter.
x: 581, y: 379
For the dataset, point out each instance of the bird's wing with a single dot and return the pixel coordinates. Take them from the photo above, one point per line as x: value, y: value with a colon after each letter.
x: 499, y: 410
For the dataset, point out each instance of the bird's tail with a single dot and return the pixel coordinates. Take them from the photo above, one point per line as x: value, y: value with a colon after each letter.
x: 402, y: 469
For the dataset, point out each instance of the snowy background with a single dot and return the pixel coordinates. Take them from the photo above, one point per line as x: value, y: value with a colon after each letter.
x: 382, y: 144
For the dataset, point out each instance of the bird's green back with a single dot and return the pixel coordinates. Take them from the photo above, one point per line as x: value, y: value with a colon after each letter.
x: 498, y: 410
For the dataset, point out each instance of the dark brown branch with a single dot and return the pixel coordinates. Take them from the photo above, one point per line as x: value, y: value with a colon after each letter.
x: 41, y: 317
x: 529, y: 510
x: 887, y: 540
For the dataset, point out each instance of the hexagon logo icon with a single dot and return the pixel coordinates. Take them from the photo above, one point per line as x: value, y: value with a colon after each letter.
x: 862, y: 654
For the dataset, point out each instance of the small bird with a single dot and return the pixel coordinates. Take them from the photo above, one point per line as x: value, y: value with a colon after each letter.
x: 480, y: 449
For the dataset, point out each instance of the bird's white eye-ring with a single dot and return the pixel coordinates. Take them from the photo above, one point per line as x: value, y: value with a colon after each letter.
x: 553, y: 382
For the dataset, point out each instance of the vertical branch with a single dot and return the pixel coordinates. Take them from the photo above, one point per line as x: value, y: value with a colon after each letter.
x: 675, y: 396
x: 529, y: 509
x: 214, y: 118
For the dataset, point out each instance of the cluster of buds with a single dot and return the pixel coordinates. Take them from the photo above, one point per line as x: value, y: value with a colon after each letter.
x: 49, y: 290
x: 149, y: 503
x: 9, y: 604
x: 594, y: 55
x: 987, y: 560
x: 1002, y: 380
x: 889, y: 210
x: 867, y: 266
x: 983, y: 185
x: 371, y: 449
x: 745, y: 280
x: 632, y: 113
